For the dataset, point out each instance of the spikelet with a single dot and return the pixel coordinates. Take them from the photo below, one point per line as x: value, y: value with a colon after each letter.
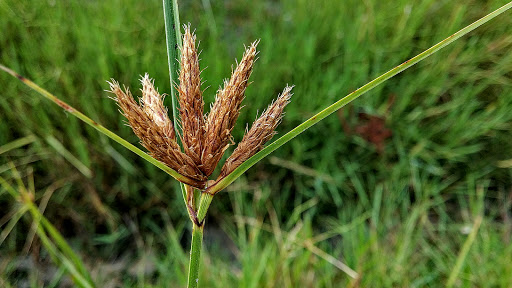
x: 225, y: 111
x: 191, y: 99
x: 262, y: 130
x: 153, y: 106
x: 161, y: 147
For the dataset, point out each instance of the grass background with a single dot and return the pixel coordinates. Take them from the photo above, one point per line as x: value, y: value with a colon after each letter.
x: 395, y: 209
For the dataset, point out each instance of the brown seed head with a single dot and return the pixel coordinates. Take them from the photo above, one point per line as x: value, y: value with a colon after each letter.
x: 262, y: 130
x: 205, y: 139
x: 152, y: 136
x: 191, y: 99
x: 225, y: 111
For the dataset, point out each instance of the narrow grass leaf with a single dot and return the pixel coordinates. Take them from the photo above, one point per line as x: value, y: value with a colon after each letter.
x: 97, y: 126
x: 329, y: 258
x: 59, y: 148
x: 12, y: 222
x: 17, y: 143
x: 464, y: 252
x: 351, y: 97
x: 57, y: 257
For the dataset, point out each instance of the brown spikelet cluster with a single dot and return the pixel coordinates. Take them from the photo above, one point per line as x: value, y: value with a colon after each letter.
x: 155, y: 137
x: 204, y: 138
x: 262, y: 130
x: 225, y: 111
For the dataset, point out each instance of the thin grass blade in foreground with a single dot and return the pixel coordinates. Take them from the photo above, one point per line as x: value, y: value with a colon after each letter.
x: 223, y: 183
x: 206, y: 198
x: 99, y: 127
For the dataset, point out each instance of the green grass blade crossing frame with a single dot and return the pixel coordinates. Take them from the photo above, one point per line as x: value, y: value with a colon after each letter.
x: 68, y: 108
x: 351, y: 97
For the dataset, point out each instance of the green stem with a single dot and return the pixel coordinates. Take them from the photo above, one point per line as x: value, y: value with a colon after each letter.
x: 173, y: 41
x: 195, y: 256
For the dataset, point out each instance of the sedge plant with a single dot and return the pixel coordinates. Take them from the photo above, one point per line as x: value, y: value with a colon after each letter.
x: 191, y: 154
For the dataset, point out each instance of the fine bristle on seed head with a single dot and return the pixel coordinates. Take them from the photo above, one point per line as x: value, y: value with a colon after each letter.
x: 262, y: 130
x: 225, y: 111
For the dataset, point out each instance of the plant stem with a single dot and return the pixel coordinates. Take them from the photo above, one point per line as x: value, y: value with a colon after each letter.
x: 173, y: 41
x: 195, y: 256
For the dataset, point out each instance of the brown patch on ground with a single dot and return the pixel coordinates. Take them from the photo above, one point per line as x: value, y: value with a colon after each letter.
x: 370, y: 127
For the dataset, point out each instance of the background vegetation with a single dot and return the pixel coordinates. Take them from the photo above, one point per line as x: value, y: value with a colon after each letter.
x: 393, y: 187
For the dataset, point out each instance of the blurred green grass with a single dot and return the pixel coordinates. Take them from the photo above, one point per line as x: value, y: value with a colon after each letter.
x: 398, y: 216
